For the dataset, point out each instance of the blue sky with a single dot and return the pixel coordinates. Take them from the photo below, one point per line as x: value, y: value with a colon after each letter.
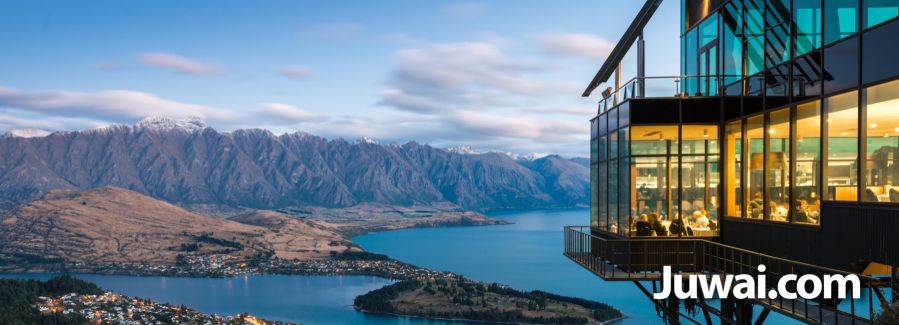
x: 496, y: 75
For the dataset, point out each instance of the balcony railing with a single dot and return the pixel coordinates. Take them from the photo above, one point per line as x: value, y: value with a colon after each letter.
x: 681, y: 86
x: 642, y: 260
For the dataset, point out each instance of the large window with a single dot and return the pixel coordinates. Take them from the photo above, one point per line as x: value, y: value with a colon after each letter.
x: 842, y: 146
x: 777, y: 164
x: 777, y: 35
x: 755, y: 141
x: 699, y: 172
x: 733, y: 142
x: 807, y: 24
x: 806, y: 188
x: 878, y: 11
x: 841, y: 17
x: 882, y: 131
x: 732, y: 42
x: 755, y: 36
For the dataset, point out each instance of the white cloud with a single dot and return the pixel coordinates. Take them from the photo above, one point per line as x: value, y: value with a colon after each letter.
x: 279, y: 113
x: 177, y: 63
x: 576, y: 45
x: 104, y: 104
x: 294, y: 72
x: 333, y: 31
x: 464, y: 8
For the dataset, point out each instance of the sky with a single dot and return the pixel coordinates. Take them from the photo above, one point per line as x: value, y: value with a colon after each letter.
x: 495, y: 75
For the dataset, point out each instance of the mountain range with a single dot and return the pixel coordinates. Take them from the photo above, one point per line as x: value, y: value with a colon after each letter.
x: 185, y: 162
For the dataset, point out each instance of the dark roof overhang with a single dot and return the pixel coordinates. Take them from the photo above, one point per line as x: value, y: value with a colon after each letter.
x: 627, y: 40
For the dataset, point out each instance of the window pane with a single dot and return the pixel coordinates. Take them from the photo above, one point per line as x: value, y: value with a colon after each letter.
x: 733, y: 146
x: 842, y: 146
x: 651, y: 177
x: 691, y: 63
x: 625, y: 214
x: 755, y: 36
x: 778, y: 166
x: 755, y: 140
x: 652, y: 140
x: 842, y: 19
x: 602, y: 148
x: 841, y: 63
x: 694, y: 188
x: 622, y: 143
x: 878, y: 11
x: 697, y: 138
x: 594, y: 195
x: 807, y: 19
x: 613, y: 145
x: 806, y: 191
x: 603, y: 198
x: 777, y: 37
x: 613, y: 196
x: 882, y: 174
x: 732, y: 41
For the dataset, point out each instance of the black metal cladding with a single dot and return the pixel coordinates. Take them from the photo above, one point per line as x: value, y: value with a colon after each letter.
x: 850, y: 235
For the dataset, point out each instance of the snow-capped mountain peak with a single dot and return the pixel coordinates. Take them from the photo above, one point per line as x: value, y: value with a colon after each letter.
x: 163, y: 123
x: 463, y: 150
x: 367, y: 140
x: 27, y: 133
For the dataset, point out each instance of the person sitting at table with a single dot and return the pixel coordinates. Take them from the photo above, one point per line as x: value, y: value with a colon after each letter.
x: 756, y: 205
x: 699, y: 220
x: 644, y: 228
x: 657, y: 225
x: 677, y: 227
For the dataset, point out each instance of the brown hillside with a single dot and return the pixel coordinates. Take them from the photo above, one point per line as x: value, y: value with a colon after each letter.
x: 116, y: 225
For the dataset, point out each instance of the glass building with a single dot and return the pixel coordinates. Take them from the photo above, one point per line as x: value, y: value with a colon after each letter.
x: 780, y: 138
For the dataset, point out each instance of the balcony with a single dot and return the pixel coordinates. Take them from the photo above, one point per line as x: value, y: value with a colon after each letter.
x: 641, y: 260
x: 661, y: 87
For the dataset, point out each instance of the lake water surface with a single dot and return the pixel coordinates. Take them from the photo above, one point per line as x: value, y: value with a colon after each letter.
x: 526, y: 255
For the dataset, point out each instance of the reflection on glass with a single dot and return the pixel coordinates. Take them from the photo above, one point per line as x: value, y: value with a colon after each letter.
x: 594, y: 181
x: 613, y: 196
x: 708, y: 56
x: 603, y: 199
x: 778, y: 167
x: 698, y: 137
x: 882, y: 173
x: 733, y: 147
x: 594, y: 196
x: 842, y: 19
x: 732, y: 41
x: 755, y: 36
x: 807, y: 22
x: 625, y: 213
x: 755, y: 140
x: 807, y: 193
x: 651, y: 184
x: 842, y: 146
x: 878, y: 11
x: 777, y: 37
x: 652, y: 140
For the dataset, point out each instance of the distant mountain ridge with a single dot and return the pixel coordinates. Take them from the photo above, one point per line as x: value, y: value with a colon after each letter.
x: 184, y: 161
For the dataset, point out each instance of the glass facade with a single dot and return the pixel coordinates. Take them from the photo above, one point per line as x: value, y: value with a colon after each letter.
x: 842, y: 147
x: 808, y: 110
x: 807, y: 166
x: 882, y: 143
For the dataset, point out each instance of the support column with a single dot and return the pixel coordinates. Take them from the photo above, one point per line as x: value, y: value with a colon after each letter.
x: 641, y: 66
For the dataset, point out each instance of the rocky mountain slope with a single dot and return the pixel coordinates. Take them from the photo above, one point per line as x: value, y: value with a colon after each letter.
x: 185, y: 162
x: 111, y: 225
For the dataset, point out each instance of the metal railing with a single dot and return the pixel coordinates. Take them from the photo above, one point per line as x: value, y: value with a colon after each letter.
x: 642, y: 259
x: 678, y: 86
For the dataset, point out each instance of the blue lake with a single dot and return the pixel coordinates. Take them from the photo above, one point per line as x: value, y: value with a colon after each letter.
x: 526, y: 255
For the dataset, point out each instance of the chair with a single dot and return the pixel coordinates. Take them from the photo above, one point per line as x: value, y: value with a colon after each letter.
x: 870, y: 196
